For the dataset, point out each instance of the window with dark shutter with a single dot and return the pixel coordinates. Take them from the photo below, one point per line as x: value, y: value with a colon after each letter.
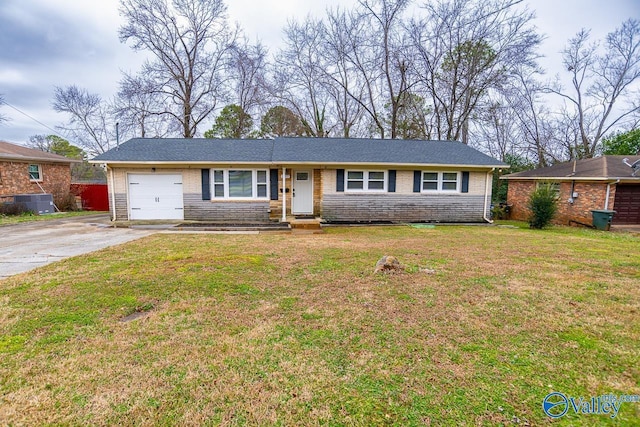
x: 465, y: 182
x: 391, y: 185
x: 417, y: 178
x: 206, y: 185
x: 273, y: 183
x: 340, y: 180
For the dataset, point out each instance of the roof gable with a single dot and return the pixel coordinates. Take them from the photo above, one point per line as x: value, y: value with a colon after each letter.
x: 603, y: 168
x: 298, y: 150
x: 18, y: 153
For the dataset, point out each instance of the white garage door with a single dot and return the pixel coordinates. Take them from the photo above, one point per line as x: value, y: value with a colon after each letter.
x: 155, y: 196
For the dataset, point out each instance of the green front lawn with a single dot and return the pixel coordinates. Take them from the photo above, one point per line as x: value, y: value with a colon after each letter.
x: 29, y: 217
x: 296, y: 330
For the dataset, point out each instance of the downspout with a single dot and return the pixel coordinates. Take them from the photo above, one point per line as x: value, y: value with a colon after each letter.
x: 284, y: 194
x: 486, y: 195
x: 606, y: 200
x: 113, y: 193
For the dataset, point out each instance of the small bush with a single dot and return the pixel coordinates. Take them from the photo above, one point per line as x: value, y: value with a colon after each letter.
x: 14, y: 209
x: 501, y: 211
x: 543, y: 205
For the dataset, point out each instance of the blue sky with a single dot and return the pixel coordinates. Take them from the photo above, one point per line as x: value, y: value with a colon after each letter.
x: 48, y: 43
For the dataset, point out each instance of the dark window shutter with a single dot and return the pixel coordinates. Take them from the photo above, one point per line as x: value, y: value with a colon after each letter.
x: 417, y: 180
x: 465, y: 182
x: 391, y: 187
x: 273, y: 182
x: 206, y: 185
x: 339, y: 179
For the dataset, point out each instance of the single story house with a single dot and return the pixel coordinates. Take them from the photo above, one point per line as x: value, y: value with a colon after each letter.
x: 601, y: 183
x: 27, y: 171
x: 337, y: 180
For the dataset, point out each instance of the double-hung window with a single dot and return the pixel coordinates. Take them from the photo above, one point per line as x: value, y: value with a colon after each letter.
x: 35, y: 173
x: 240, y: 184
x: 553, y: 185
x: 441, y: 181
x: 366, y: 180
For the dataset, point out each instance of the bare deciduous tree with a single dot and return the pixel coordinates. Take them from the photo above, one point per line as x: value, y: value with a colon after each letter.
x: 377, y: 53
x: 3, y: 118
x: 464, y: 50
x: 138, y: 108
x: 300, y: 77
x: 248, y: 67
x: 90, y: 125
x: 344, y: 83
x: 602, y: 80
x: 190, y: 42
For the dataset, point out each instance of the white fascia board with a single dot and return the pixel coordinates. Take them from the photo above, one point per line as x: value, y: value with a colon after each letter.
x: 308, y: 164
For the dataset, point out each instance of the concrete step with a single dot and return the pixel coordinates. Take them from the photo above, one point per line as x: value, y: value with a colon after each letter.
x: 305, y: 224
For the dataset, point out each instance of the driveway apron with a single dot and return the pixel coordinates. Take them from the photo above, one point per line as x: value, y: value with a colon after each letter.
x: 26, y: 246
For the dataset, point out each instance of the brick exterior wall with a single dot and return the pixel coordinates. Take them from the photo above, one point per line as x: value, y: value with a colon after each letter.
x: 196, y: 209
x: 394, y: 207
x: 591, y: 195
x: 14, y: 179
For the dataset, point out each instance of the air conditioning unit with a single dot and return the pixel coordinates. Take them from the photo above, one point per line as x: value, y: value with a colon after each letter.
x: 37, y: 203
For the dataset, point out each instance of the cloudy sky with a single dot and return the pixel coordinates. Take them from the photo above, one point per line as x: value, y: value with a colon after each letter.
x: 48, y: 43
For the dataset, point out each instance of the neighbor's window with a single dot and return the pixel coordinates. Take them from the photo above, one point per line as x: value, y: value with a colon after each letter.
x: 366, y: 180
x: 555, y: 187
x: 240, y: 184
x: 35, y: 173
x: 440, y: 181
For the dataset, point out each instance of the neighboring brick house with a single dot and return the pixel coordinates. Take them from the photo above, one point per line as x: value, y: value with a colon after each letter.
x: 605, y: 182
x: 27, y: 171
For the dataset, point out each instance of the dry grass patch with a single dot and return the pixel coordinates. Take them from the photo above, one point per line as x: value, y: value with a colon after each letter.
x: 296, y: 330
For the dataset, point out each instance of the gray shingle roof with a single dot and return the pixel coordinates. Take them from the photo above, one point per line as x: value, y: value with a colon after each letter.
x: 190, y: 150
x: 299, y: 150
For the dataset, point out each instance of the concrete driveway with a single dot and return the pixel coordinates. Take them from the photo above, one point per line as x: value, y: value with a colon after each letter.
x: 26, y: 246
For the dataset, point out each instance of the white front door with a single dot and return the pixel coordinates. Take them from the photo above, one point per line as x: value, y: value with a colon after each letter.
x: 155, y: 196
x: 302, y: 192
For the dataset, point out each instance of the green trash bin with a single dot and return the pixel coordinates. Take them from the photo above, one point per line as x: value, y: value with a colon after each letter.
x: 602, y: 219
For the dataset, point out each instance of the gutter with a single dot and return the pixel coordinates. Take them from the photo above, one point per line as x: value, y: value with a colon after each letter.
x: 113, y: 193
x: 606, y: 200
x: 486, y: 196
x: 277, y: 164
x: 26, y: 159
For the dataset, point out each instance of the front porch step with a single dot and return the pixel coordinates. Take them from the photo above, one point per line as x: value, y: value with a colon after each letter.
x: 310, y: 225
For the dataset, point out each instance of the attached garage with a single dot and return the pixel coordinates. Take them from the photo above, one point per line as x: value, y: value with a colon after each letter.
x: 155, y: 196
x: 627, y: 204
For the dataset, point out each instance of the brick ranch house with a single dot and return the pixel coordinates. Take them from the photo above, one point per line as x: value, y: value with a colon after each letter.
x: 27, y: 171
x: 332, y: 179
x: 601, y: 183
